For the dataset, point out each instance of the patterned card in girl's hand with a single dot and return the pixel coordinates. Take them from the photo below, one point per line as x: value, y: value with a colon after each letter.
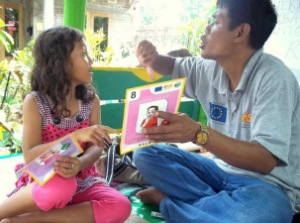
x: 41, y: 169
x: 141, y: 104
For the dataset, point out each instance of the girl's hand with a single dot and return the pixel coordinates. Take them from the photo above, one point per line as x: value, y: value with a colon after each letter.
x: 67, y: 166
x: 94, y: 134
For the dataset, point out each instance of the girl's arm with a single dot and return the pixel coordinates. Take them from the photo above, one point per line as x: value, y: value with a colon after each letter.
x: 68, y: 167
x: 32, y: 145
x: 93, y: 152
x: 32, y: 130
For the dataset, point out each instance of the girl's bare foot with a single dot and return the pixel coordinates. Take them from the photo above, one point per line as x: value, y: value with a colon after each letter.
x: 150, y: 196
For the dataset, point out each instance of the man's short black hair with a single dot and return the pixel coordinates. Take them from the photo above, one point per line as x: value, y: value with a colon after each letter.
x: 259, y: 14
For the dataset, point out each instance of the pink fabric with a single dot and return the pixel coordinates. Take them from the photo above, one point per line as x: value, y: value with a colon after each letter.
x: 56, y: 193
x: 109, y: 205
x: 51, y: 132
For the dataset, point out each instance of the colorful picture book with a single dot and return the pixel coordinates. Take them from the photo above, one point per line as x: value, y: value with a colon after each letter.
x: 141, y: 103
x: 41, y: 169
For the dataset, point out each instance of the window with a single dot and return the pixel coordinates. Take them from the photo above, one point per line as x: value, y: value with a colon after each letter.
x: 12, y: 14
x: 101, y: 23
x: 96, y: 21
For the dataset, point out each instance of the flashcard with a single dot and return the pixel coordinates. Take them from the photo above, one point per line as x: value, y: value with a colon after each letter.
x: 141, y: 103
x: 41, y: 169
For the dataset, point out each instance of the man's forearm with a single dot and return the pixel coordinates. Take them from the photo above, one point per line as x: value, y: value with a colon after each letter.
x: 246, y: 155
x: 164, y: 65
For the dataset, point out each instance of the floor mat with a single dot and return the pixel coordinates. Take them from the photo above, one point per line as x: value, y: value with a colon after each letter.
x: 140, y: 211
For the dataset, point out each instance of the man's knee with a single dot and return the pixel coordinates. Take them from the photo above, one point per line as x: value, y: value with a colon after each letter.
x: 141, y: 154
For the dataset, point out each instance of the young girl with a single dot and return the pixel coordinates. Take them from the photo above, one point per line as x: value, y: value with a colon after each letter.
x: 63, y: 102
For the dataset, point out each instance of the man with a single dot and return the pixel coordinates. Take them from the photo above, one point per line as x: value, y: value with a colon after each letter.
x: 252, y: 103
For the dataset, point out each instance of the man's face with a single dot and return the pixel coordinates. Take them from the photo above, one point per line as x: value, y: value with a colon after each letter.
x: 217, y: 42
x: 150, y: 112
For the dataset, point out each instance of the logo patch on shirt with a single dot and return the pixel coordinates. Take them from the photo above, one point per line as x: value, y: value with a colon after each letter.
x: 247, y: 118
x: 217, y: 112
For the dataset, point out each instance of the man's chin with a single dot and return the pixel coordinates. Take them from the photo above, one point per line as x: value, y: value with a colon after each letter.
x: 206, y: 56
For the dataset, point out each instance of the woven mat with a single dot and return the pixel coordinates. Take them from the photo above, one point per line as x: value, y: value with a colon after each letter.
x: 135, y: 219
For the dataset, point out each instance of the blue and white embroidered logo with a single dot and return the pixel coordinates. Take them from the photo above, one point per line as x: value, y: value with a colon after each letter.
x: 217, y: 112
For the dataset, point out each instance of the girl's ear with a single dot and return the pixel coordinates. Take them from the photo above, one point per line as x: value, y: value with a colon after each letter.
x: 243, y: 32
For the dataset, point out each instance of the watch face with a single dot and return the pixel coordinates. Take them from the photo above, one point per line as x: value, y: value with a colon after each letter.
x: 202, y: 137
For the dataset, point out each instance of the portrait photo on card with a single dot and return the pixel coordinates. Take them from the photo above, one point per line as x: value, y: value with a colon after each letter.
x: 146, y: 112
x: 49, y: 155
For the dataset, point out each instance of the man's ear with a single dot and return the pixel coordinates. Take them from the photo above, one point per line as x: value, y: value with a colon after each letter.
x: 242, y: 32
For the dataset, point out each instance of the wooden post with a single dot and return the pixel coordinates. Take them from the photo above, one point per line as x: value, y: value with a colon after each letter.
x: 74, y: 13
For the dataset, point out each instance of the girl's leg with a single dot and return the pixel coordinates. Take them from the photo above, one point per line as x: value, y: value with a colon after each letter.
x: 109, y: 205
x: 99, y: 203
x: 19, y: 203
x: 56, y: 193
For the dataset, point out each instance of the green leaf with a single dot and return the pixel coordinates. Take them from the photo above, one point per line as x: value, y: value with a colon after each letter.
x: 9, y: 37
x: 65, y: 146
x: 5, y: 42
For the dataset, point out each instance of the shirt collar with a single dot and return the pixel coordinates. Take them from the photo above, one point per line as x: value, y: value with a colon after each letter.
x: 221, y: 81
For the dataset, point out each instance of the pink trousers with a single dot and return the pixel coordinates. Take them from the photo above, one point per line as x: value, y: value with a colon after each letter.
x: 109, y: 206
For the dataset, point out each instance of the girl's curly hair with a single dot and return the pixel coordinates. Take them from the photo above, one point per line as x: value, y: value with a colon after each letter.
x: 52, y: 53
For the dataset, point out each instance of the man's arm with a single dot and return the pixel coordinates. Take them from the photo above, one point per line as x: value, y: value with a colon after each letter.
x: 163, y: 65
x: 151, y: 60
x: 246, y: 155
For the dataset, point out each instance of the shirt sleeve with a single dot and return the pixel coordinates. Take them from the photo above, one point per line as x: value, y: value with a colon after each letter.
x: 272, y: 114
x: 186, y: 67
x: 198, y: 72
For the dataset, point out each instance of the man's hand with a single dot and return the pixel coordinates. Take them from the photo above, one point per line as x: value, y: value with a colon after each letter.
x: 181, y: 129
x: 147, y: 54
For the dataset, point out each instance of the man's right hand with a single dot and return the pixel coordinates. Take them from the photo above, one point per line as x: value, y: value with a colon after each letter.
x: 147, y: 54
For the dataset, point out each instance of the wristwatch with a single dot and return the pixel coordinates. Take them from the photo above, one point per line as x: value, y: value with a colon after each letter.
x: 202, y: 135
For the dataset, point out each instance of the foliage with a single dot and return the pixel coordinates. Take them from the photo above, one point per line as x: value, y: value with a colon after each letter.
x: 100, y: 56
x: 14, y: 76
x: 192, y: 32
x: 190, y: 36
x: 158, y: 12
x: 5, y: 38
